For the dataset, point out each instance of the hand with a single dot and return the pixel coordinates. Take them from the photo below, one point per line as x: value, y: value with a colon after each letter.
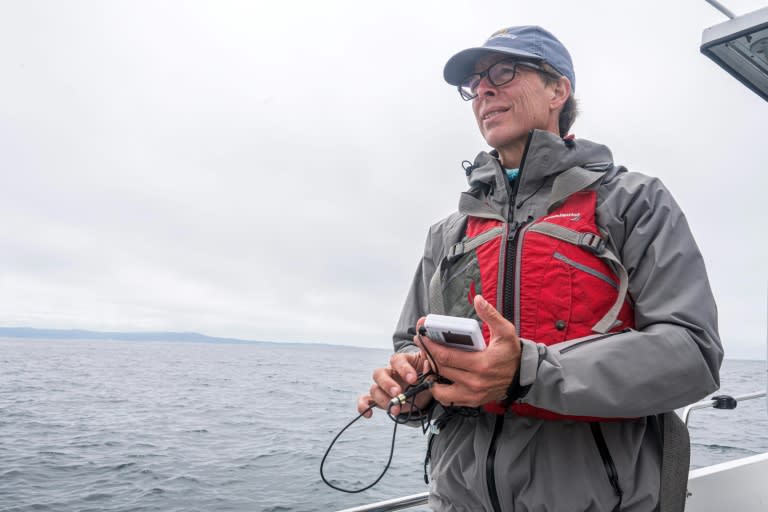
x: 391, y: 381
x: 478, y: 377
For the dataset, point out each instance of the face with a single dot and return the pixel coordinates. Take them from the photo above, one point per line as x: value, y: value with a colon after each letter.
x: 506, y: 114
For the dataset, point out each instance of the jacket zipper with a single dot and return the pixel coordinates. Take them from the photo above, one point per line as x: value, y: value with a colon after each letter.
x: 509, y: 283
x: 490, y: 472
x: 513, y: 229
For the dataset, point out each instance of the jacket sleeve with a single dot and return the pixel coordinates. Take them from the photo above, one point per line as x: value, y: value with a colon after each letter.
x: 416, y: 304
x: 672, y: 357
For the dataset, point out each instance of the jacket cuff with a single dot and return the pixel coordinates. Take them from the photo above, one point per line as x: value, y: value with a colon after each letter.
x: 526, y: 373
x: 530, y: 358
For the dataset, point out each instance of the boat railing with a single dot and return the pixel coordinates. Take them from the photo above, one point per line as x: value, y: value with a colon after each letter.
x: 720, y: 402
x: 402, y: 503
x: 415, y: 500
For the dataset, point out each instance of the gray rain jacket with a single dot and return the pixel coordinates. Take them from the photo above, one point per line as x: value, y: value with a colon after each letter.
x: 671, y: 358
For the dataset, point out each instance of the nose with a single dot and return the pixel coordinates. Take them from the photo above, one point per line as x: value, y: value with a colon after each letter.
x: 485, y: 87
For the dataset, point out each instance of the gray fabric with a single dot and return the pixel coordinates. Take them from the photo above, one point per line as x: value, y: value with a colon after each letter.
x: 529, y: 362
x: 547, y: 466
x: 571, y: 181
x: 436, y: 305
x: 474, y: 242
x: 437, y: 283
x: 669, y: 360
x: 609, y: 321
x: 439, y: 238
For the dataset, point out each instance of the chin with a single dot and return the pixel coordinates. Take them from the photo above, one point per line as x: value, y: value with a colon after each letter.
x: 499, y: 140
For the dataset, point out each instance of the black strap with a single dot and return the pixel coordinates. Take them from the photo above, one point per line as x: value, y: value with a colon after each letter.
x: 610, y: 468
x: 675, y: 463
x: 428, y: 456
x: 515, y: 391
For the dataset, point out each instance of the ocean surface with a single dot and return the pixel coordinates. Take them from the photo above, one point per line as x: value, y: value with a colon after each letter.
x: 149, y: 426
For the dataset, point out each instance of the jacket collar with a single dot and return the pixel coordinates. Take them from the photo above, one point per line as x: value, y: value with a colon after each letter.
x: 546, y: 156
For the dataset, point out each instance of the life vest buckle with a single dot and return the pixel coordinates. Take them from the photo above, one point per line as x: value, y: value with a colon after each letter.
x: 591, y: 242
x: 455, y: 251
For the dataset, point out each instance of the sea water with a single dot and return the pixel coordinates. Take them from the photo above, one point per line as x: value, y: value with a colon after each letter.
x: 129, y: 426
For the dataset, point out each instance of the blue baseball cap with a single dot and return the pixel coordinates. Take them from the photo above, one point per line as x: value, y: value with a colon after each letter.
x: 527, y: 42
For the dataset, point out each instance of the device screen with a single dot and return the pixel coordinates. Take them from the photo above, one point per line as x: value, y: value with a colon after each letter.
x: 457, y: 339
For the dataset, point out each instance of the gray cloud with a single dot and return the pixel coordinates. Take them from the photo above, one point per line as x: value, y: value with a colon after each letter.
x: 269, y: 172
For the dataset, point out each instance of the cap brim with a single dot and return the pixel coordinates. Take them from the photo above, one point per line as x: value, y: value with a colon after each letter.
x: 462, y: 64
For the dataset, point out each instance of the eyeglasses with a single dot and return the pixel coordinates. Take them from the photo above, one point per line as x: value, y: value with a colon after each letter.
x: 498, y: 74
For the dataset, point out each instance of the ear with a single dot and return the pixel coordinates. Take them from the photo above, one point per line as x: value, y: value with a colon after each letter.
x: 561, y: 91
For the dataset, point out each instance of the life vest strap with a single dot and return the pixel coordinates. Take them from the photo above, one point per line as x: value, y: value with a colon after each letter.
x: 586, y: 240
x: 436, y: 302
x: 463, y: 247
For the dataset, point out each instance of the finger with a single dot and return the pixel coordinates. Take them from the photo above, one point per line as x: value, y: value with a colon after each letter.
x: 499, y: 326
x: 446, y: 357
x: 380, y: 397
x: 387, y: 379
x: 363, y: 404
x: 384, y: 401
x: 419, y: 324
x: 403, y: 366
x: 455, y: 374
x: 454, y: 394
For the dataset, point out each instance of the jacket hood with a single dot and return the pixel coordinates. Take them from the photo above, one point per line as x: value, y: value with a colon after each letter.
x: 546, y: 156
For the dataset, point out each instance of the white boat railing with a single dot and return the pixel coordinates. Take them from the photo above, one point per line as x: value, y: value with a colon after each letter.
x: 720, y: 402
x: 415, y: 500
x: 402, y: 503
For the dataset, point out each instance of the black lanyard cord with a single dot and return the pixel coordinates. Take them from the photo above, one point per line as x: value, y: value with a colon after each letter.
x: 389, y: 461
x: 407, y: 398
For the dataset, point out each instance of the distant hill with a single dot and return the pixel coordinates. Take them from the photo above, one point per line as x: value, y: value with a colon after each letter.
x: 78, y: 334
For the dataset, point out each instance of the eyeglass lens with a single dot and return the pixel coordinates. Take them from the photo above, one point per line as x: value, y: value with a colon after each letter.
x: 498, y: 74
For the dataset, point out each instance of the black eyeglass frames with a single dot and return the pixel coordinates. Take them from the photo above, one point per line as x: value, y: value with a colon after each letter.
x: 498, y: 74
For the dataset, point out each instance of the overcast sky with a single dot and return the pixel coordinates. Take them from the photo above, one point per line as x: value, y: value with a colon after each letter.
x: 268, y: 170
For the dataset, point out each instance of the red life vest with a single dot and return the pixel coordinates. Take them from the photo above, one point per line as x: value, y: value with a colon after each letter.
x: 564, y: 282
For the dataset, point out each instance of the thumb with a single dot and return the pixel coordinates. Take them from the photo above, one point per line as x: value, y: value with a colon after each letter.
x: 499, y: 326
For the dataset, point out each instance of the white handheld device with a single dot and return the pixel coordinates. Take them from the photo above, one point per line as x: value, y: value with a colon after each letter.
x: 455, y: 332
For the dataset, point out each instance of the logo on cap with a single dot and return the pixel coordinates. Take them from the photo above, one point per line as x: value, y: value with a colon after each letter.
x: 504, y: 32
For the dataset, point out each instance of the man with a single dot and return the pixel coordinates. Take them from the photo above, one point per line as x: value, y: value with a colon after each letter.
x: 592, y: 296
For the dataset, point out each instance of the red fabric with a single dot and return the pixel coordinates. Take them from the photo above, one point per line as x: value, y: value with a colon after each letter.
x: 558, y: 301
x: 488, y: 260
x: 553, y: 291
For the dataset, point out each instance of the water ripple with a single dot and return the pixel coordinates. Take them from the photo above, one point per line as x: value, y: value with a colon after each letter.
x: 172, y: 427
